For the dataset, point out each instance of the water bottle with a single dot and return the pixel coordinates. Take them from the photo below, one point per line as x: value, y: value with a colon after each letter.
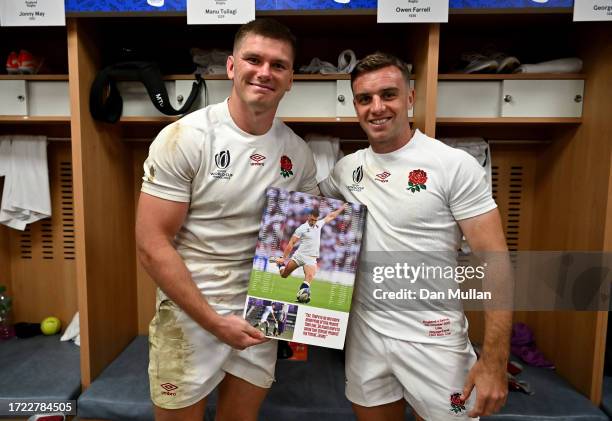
x: 6, y: 328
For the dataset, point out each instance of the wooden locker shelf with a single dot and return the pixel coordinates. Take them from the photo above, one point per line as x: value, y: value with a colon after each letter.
x: 460, y: 121
x: 321, y: 120
x: 34, y: 119
x: 148, y: 120
x: 314, y: 120
x: 510, y: 76
x: 296, y: 76
x: 33, y: 77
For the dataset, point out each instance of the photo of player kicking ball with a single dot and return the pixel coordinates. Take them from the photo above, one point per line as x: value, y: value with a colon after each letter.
x: 309, y: 237
x: 307, y: 243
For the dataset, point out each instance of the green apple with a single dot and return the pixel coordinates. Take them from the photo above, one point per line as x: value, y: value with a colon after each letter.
x: 50, y: 326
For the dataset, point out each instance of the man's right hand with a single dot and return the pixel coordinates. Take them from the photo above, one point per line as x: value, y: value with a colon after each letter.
x: 237, y: 332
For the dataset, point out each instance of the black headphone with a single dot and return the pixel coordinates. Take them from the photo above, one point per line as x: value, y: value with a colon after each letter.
x: 109, y: 108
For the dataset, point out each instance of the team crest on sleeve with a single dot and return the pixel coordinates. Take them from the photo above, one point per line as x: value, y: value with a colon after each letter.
x: 150, y: 173
x: 417, y: 180
x: 457, y: 404
x: 357, y: 178
x: 286, y: 166
x: 222, y: 161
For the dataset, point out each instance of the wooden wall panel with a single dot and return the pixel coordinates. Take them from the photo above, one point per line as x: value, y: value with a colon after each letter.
x: 42, y: 258
x: 106, y: 275
x: 608, y: 227
x: 573, y: 174
x: 572, y: 207
x: 513, y: 168
x: 426, y: 83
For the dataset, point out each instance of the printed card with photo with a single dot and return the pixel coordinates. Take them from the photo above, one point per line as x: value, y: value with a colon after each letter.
x: 303, y: 274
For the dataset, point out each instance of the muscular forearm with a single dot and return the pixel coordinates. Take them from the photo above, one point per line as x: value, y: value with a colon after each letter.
x: 486, y: 238
x: 168, y: 270
x: 496, y: 346
x: 498, y: 311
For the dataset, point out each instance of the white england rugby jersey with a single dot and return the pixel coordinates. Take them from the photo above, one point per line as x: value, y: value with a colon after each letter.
x: 414, y: 196
x: 310, y: 238
x: 205, y: 159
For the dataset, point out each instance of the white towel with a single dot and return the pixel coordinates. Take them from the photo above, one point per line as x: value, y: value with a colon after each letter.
x: 346, y: 63
x: 326, y: 151
x: 319, y: 66
x: 5, y: 154
x: 562, y: 65
x: 210, y: 62
x: 26, y: 197
x: 73, y: 331
x: 478, y: 148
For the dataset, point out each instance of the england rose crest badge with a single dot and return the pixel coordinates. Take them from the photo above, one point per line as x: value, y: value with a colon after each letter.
x: 457, y: 404
x: 286, y: 166
x: 417, y: 180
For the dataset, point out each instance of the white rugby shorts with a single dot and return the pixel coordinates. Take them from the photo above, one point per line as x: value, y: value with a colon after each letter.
x: 381, y: 370
x: 302, y: 260
x: 186, y: 362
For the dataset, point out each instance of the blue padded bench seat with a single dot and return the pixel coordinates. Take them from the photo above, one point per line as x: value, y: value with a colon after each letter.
x: 121, y: 392
x: 554, y: 399
x: 39, y: 368
x: 606, y: 398
x: 313, y: 390
x: 302, y: 391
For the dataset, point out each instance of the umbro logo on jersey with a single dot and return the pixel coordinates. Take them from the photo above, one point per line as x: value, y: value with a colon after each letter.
x: 222, y: 161
x: 257, y: 157
x: 256, y: 160
x: 358, y: 174
x: 169, y: 389
x: 383, y: 176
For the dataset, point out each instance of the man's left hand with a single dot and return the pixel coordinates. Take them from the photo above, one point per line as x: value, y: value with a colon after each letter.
x: 492, y: 388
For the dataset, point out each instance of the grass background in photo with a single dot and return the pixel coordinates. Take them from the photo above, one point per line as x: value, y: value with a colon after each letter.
x: 323, y: 294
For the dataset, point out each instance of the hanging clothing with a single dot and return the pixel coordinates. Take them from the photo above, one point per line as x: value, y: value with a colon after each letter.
x: 26, y: 197
x: 326, y: 151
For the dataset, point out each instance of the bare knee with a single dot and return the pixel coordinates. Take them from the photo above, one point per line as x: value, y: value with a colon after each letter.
x: 284, y: 274
x: 193, y: 412
x: 388, y: 412
x: 232, y: 390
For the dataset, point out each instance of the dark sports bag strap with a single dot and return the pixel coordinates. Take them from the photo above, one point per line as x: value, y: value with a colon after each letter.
x: 151, y: 77
x: 106, y: 104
